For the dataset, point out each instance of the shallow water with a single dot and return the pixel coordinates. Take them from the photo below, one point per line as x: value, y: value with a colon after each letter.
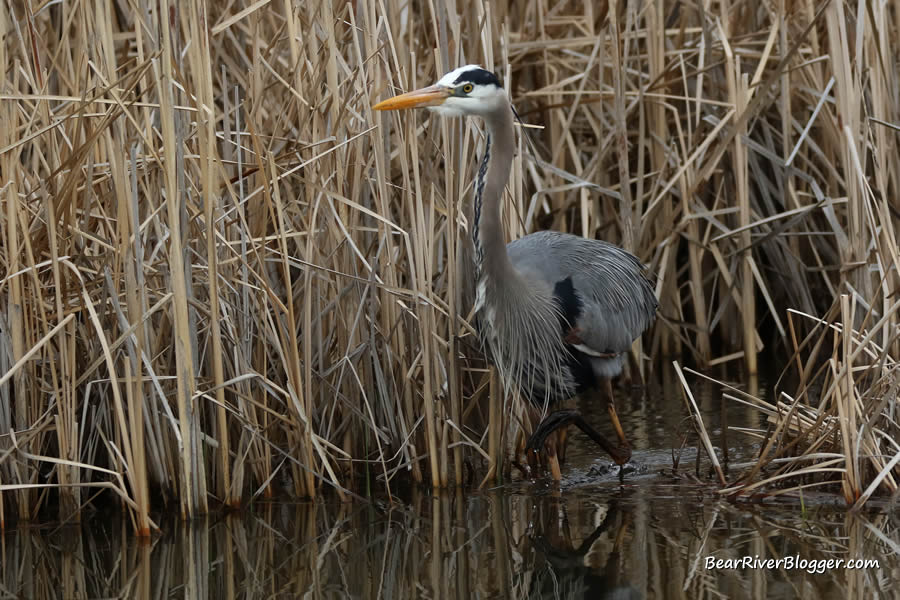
x: 592, y: 537
x: 648, y: 539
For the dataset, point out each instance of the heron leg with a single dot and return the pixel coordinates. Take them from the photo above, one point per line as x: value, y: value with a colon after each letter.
x: 563, y: 418
x: 624, y: 446
x: 554, y: 447
x: 553, y: 461
x: 562, y: 437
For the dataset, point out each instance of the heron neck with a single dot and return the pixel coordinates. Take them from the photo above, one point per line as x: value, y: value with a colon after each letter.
x: 487, y: 231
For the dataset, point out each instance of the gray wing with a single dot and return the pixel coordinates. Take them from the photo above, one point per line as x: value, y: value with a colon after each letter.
x: 616, y: 302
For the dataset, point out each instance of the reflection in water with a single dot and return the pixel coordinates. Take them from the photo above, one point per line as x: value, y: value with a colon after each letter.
x: 648, y: 540
x: 593, y: 538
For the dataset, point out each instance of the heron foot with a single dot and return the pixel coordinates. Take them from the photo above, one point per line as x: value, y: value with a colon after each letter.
x: 606, y: 470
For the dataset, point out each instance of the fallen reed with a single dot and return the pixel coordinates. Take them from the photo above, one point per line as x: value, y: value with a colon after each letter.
x: 224, y: 276
x: 836, y: 430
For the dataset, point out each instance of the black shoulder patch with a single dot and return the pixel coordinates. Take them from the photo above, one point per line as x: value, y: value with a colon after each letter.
x: 478, y: 77
x: 570, y: 308
x: 569, y: 303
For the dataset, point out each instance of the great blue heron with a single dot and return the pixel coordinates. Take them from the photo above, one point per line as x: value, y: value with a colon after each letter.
x: 556, y: 312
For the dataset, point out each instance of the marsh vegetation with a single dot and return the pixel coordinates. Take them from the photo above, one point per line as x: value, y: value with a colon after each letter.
x: 223, y: 273
x: 590, y: 538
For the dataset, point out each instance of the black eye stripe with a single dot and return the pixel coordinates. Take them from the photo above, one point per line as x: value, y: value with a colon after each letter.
x: 478, y: 77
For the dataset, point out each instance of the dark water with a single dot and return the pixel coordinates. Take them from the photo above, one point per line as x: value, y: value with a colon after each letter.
x: 592, y: 537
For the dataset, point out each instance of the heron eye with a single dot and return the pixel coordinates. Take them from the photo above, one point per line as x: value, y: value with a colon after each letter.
x: 468, y: 88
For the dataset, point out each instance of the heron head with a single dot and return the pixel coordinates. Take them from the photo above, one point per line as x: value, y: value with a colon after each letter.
x: 469, y: 90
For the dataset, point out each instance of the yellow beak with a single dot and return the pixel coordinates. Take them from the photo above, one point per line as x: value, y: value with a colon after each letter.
x: 433, y: 95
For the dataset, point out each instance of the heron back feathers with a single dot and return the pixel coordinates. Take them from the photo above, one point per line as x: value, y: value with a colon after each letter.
x: 602, y: 289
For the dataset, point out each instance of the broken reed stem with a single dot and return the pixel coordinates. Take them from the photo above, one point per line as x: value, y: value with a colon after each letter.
x: 697, y: 418
x: 495, y: 434
x: 845, y: 402
x: 134, y: 437
x: 738, y: 83
x: 833, y: 416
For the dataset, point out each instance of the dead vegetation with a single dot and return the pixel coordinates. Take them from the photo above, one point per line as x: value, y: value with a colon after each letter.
x: 222, y: 272
x: 837, y: 428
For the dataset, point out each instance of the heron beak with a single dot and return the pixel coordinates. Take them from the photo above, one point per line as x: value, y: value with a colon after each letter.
x: 433, y: 95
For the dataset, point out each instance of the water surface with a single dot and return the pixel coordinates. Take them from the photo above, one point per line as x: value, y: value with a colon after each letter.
x: 591, y: 537
x: 646, y: 540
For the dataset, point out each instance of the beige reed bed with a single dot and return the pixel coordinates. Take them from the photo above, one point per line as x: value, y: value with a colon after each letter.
x: 222, y: 274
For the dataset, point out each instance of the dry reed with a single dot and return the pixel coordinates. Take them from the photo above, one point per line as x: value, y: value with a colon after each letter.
x: 223, y: 273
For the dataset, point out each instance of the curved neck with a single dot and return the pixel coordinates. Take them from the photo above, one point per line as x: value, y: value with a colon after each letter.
x: 487, y: 229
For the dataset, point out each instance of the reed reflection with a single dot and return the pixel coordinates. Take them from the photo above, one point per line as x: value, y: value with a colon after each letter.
x: 648, y: 540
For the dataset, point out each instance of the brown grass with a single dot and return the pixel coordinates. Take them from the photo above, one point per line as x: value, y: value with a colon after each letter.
x: 223, y: 272
x: 839, y: 429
